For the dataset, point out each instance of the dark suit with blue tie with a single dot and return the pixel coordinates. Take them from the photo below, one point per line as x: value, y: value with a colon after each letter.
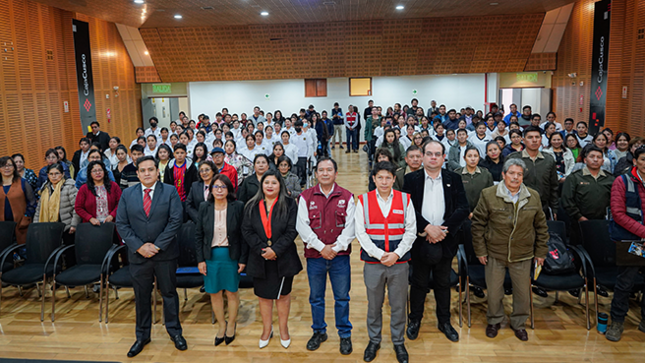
x: 160, y: 227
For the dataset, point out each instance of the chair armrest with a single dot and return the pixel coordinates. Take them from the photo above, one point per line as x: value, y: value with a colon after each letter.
x: 587, y: 265
x: 462, y: 264
x: 56, y: 256
x: 8, y: 251
x: 105, y: 266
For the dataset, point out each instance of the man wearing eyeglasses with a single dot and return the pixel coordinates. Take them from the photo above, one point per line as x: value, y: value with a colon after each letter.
x: 441, y: 206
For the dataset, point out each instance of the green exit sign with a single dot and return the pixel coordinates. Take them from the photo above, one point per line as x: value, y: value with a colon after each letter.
x: 161, y: 88
x: 527, y: 76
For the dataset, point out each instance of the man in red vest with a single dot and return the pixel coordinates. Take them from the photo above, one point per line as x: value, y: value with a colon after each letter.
x: 386, y: 229
x: 351, y: 126
x: 326, y: 225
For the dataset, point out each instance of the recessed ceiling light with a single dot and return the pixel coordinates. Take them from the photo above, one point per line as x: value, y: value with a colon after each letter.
x: 146, y: 52
x: 493, y: 4
x: 139, y: 1
x: 264, y: 13
x: 178, y: 16
x: 329, y: 3
x: 400, y: 7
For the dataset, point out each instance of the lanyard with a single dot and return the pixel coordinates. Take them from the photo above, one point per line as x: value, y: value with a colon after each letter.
x: 266, y: 219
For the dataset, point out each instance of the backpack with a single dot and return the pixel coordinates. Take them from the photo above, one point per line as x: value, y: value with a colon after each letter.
x: 558, y: 261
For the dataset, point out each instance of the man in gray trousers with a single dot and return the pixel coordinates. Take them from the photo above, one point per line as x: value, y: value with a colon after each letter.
x: 386, y: 229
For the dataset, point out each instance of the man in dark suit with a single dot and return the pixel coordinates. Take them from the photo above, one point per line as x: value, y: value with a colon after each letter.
x: 148, y: 219
x: 81, y: 154
x: 436, y: 243
x: 99, y: 137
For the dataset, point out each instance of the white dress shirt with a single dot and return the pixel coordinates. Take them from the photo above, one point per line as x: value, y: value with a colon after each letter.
x: 291, y: 151
x: 310, y: 238
x: 301, y: 142
x: 152, y: 191
x: 364, y: 239
x: 433, y: 208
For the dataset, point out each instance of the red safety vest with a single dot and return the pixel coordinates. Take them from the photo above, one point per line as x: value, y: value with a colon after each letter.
x: 385, y: 232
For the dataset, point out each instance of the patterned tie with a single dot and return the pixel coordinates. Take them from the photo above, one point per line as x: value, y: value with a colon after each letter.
x: 147, y: 202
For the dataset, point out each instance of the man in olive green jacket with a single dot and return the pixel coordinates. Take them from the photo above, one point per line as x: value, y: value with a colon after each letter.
x: 509, y: 229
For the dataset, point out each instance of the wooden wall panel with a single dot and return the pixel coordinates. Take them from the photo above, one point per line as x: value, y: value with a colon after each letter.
x: 37, y: 74
x: 625, y: 66
x: 341, y: 49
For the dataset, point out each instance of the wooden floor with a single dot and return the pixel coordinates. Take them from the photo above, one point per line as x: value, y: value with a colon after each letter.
x: 559, y: 336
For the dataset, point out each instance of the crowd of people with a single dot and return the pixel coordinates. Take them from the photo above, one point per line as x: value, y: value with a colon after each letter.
x: 438, y: 178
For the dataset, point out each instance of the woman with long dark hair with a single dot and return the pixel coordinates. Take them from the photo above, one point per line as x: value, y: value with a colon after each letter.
x: 17, y: 199
x: 391, y: 143
x: 251, y: 184
x: 62, y: 156
x: 98, y: 199
x: 238, y: 161
x: 278, y: 151
x: 200, y: 154
x: 51, y: 157
x: 602, y: 141
x: 573, y: 144
x: 494, y: 161
x: 622, y: 145
x: 291, y: 180
x: 110, y: 153
x: 200, y: 190
x: 164, y: 154
x: 221, y: 253
x: 27, y: 174
x: 122, y: 161
x: 269, y: 228
x: 278, y: 118
x: 563, y: 157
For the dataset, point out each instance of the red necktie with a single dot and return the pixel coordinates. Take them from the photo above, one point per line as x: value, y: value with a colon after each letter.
x: 147, y: 202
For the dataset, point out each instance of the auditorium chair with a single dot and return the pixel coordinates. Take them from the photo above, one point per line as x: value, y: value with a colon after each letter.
x: 601, y: 251
x: 576, y: 280
x: 118, y: 276
x: 43, y: 242
x: 8, y: 232
x: 91, y: 246
x: 472, y: 272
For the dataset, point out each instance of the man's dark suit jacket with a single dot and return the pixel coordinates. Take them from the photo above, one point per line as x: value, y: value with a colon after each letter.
x: 160, y: 227
x: 194, y: 199
x: 102, y: 139
x: 238, y: 249
x: 454, y: 196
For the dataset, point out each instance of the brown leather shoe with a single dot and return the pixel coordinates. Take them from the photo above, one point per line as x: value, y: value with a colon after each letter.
x: 491, y: 330
x: 521, y: 334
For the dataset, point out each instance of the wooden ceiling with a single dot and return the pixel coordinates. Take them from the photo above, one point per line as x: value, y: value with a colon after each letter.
x: 499, y: 43
x: 198, y: 13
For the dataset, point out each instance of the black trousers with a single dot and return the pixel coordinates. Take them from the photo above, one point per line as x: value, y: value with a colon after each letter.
x: 420, y: 286
x: 143, y: 278
x: 302, y: 169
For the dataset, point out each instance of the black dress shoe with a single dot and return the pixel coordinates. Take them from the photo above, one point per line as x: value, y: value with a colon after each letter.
x: 401, y: 353
x: 449, y: 331
x: 219, y: 341
x: 228, y: 339
x: 477, y: 291
x: 370, y: 351
x: 413, y: 329
x: 540, y: 292
x: 491, y: 330
x: 521, y: 334
x: 137, y: 347
x: 316, y: 340
x: 180, y: 342
x: 346, y: 346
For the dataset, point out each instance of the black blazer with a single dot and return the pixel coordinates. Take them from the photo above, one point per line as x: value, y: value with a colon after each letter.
x: 160, y: 227
x: 237, y: 249
x: 103, y: 139
x: 454, y: 195
x: 249, y: 188
x: 194, y: 199
x: 283, y: 241
x: 76, y: 161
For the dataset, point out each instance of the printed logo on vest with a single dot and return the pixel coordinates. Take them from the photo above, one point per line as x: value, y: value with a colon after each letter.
x: 341, y: 203
x: 313, y: 205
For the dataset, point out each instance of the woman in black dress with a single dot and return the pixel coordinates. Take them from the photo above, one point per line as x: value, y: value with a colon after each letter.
x: 269, y: 228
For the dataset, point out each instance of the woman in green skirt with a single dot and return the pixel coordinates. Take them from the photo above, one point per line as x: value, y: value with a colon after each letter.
x: 221, y: 252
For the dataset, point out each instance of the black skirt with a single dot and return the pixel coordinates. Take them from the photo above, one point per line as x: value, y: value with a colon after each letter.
x: 272, y: 285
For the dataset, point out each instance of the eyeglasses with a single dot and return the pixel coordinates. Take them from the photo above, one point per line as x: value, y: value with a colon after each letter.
x: 8, y: 166
x: 204, y: 171
x: 220, y: 187
x: 97, y: 171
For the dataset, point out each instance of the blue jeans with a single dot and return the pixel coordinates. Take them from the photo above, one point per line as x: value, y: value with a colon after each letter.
x: 340, y: 277
x: 352, y: 137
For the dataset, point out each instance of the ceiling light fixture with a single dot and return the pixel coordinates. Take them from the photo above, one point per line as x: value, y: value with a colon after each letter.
x: 178, y: 16
x: 494, y: 4
x: 146, y: 53
x: 400, y: 7
x: 264, y: 13
x: 139, y: 1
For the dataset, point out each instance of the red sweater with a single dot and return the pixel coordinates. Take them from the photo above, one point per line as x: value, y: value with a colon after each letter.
x: 86, y: 202
x: 618, y: 209
x: 231, y: 173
